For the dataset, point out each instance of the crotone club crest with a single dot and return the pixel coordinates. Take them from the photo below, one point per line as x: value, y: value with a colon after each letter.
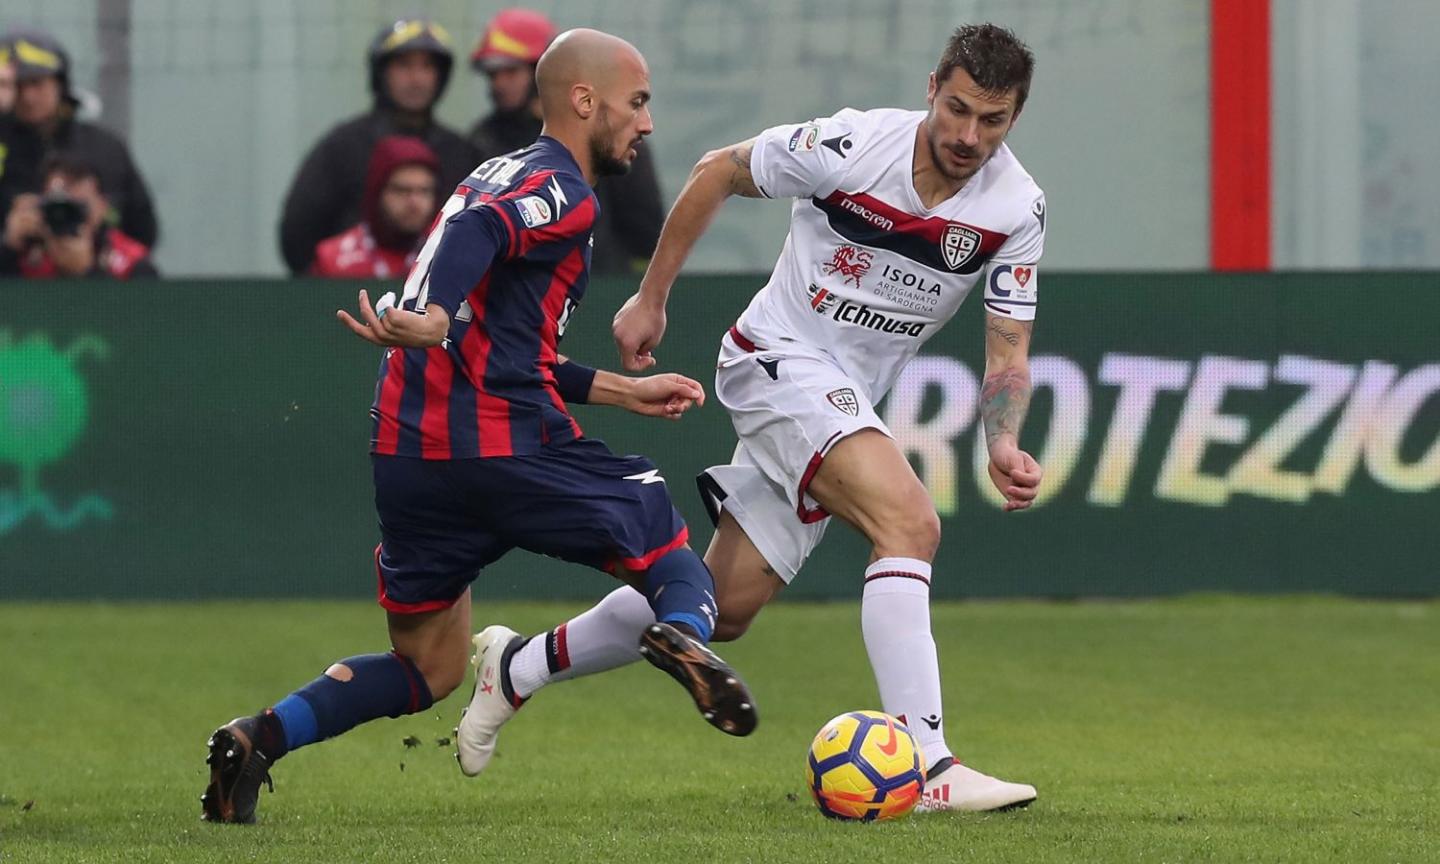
x: 959, y: 244
x: 845, y: 400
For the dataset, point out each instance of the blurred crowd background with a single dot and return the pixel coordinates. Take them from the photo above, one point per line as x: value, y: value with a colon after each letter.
x: 208, y: 138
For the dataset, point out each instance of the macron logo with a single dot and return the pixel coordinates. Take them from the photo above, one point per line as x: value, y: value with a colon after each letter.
x: 558, y: 194
x: 648, y: 477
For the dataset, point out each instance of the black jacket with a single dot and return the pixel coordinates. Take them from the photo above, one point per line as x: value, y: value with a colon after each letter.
x: 325, y: 196
x: 25, y: 152
x: 630, y: 211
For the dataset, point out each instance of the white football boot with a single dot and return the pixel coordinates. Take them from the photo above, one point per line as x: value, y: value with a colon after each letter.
x: 480, y: 722
x: 961, y: 788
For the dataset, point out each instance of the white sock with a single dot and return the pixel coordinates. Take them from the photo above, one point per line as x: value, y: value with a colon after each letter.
x: 895, y: 619
x: 603, y: 637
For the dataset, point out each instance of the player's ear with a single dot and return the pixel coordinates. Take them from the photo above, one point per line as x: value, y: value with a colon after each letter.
x: 930, y: 90
x: 582, y: 99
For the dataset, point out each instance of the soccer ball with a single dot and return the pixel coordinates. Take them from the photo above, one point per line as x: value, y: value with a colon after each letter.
x: 865, y: 765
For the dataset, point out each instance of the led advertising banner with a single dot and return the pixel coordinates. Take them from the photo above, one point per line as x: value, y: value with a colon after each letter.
x: 1237, y: 433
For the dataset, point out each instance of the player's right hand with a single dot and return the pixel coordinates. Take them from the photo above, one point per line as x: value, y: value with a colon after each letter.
x: 398, y: 327
x: 668, y: 395
x: 638, y: 327
x: 1016, y: 474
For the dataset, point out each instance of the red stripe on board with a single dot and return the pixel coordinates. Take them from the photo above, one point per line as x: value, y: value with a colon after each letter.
x: 492, y: 414
x: 1239, y: 135
x: 435, y: 415
x: 387, y: 437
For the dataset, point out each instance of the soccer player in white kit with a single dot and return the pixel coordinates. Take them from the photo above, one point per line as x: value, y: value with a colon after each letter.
x: 897, y: 216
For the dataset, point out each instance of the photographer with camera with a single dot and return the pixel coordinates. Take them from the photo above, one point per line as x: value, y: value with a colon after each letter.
x: 61, y: 233
x: 44, y: 121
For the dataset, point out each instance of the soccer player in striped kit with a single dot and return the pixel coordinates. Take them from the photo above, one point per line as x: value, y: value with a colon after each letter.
x: 475, y: 454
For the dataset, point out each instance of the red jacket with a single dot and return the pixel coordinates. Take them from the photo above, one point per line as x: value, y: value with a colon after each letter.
x: 354, y: 254
x: 370, y: 250
x: 116, y: 256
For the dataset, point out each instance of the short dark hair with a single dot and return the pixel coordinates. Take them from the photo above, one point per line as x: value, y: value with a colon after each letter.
x: 72, y: 167
x: 994, y: 56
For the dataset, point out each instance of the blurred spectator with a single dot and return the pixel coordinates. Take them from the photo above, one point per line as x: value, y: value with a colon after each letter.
x: 410, y: 64
x: 7, y: 81
x: 43, y: 123
x: 61, y: 233
x: 630, y: 209
x: 399, y: 205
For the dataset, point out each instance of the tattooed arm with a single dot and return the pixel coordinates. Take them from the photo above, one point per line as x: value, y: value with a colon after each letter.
x: 640, y: 323
x: 1004, y: 401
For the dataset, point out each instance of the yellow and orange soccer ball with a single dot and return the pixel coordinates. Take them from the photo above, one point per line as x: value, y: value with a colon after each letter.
x: 865, y: 765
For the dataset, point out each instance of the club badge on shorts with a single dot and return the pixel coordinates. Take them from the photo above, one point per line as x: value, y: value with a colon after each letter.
x: 845, y: 400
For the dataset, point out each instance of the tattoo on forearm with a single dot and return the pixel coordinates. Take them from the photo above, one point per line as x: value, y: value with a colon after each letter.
x: 1003, y: 332
x: 742, y: 182
x: 1004, y: 400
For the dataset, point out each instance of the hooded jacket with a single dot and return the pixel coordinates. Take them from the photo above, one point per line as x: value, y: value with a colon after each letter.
x: 370, y: 249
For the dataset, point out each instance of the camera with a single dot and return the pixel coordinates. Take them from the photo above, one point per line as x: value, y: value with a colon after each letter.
x: 63, y: 215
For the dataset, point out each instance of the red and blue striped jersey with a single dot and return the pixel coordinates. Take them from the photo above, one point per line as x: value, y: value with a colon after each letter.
x: 508, y: 258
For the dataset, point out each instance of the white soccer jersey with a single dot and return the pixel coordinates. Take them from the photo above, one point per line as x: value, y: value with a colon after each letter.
x: 868, y: 273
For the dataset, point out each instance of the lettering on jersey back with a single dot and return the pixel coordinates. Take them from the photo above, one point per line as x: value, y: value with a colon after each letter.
x: 500, y: 171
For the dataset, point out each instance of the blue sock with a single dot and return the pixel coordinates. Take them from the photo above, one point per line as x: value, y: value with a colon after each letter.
x: 682, y: 591
x: 356, y: 690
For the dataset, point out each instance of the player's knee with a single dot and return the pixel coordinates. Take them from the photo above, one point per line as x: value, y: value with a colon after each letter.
x: 912, y: 533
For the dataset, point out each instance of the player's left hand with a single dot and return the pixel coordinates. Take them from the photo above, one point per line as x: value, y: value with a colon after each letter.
x: 397, y: 327
x: 1017, y: 475
x: 668, y: 395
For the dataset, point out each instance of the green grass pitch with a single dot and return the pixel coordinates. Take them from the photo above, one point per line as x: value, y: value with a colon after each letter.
x: 1204, y: 729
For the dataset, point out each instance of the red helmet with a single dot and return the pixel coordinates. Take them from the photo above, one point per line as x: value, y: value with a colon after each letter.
x: 512, y: 36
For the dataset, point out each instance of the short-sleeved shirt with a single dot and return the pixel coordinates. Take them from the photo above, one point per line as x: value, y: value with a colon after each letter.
x: 868, y: 273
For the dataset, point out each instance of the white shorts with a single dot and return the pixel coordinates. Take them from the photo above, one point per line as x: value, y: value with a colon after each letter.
x: 789, y: 409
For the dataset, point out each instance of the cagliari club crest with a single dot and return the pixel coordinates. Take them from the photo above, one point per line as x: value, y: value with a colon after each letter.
x: 845, y: 400
x: 959, y: 244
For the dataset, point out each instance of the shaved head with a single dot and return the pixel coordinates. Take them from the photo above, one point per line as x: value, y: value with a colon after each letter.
x: 594, y: 96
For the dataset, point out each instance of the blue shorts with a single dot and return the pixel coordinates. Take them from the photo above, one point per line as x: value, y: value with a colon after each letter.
x: 442, y: 521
